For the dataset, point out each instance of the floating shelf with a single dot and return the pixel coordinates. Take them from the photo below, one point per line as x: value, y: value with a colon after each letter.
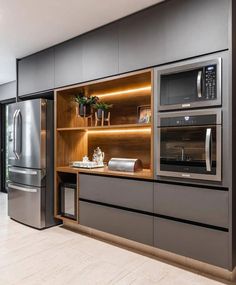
x: 112, y: 127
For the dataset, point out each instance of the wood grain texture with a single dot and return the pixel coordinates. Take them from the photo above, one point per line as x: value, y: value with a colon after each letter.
x: 71, y: 146
x: 144, y: 174
x: 122, y: 145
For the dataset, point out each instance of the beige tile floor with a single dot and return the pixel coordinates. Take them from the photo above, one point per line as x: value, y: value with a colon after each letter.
x: 57, y: 256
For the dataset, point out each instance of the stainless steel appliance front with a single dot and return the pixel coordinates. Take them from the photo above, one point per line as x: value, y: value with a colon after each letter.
x: 189, y: 144
x: 26, y: 204
x: 190, y: 85
x: 30, y: 148
x: 27, y: 127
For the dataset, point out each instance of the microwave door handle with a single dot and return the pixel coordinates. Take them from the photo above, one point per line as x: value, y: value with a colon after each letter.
x: 208, y: 143
x: 199, y: 84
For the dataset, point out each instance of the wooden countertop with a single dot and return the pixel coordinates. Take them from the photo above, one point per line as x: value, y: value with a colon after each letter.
x: 144, y: 174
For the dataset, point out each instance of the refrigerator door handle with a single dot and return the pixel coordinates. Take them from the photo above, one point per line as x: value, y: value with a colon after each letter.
x: 27, y: 172
x: 32, y: 190
x: 18, y: 136
x: 14, y: 133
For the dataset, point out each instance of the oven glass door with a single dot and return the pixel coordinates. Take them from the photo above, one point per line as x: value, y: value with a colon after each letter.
x: 189, y: 149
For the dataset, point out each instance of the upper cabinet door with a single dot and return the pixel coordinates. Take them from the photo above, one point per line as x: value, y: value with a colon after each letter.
x: 68, y: 63
x: 36, y: 72
x: 100, y: 53
x: 173, y: 30
x: 8, y: 91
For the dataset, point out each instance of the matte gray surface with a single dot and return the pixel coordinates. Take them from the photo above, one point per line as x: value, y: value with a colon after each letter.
x: 200, y: 243
x: 36, y: 72
x: 100, y: 52
x: 8, y: 91
x: 193, y: 204
x: 117, y: 191
x: 171, y: 31
x: 134, y: 226
x: 68, y: 62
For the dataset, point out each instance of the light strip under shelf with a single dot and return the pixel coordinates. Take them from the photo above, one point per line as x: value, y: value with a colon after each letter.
x: 123, y: 131
x: 127, y: 91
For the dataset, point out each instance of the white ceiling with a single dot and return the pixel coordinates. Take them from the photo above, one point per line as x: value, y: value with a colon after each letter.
x: 27, y: 26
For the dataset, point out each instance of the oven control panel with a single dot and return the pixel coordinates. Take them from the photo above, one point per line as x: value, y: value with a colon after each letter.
x: 210, y: 82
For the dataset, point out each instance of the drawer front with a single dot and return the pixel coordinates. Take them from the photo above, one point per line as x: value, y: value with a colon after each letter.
x: 207, y: 245
x: 25, y: 176
x: 193, y: 204
x: 122, y: 192
x: 130, y: 225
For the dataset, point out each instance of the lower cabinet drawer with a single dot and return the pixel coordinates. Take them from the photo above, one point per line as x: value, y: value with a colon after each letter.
x: 204, y: 244
x: 192, y: 203
x: 123, y: 192
x: 130, y: 225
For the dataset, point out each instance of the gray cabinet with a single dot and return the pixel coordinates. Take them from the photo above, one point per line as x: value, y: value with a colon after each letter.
x: 100, y: 53
x: 130, y: 225
x: 173, y: 30
x: 208, y: 245
x: 197, y: 204
x: 36, y: 72
x: 127, y: 193
x: 68, y: 63
x: 8, y: 91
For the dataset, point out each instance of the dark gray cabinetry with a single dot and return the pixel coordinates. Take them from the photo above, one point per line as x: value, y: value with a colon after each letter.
x: 200, y: 243
x: 100, y: 53
x: 8, y: 91
x: 36, y: 72
x: 68, y: 63
x: 127, y: 193
x: 196, y: 204
x: 117, y: 192
x: 173, y: 30
x: 134, y: 226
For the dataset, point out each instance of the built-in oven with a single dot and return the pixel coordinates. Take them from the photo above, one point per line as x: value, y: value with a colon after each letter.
x: 189, y: 144
x: 192, y: 85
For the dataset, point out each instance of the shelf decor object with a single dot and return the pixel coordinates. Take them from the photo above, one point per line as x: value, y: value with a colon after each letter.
x: 102, y: 114
x: 144, y: 114
x: 85, y: 106
x: 125, y: 164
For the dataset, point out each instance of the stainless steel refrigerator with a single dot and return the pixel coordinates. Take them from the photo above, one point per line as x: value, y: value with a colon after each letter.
x: 30, y: 162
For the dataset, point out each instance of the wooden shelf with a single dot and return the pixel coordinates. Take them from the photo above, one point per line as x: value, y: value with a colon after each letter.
x: 144, y: 174
x: 124, y: 126
x: 75, y: 138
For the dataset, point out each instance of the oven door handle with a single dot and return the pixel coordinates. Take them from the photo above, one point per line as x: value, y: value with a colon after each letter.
x: 199, y: 84
x: 208, y: 143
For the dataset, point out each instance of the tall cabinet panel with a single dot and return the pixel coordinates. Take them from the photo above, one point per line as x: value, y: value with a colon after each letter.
x: 8, y: 91
x: 36, y: 72
x: 172, y: 30
x: 100, y: 52
x: 68, y: 62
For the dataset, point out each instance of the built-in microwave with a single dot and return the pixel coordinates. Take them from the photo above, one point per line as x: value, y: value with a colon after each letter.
x: 189, y: 144
x: 192, y: 85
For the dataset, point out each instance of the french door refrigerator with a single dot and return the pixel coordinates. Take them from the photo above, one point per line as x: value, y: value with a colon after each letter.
x: 30, y: 162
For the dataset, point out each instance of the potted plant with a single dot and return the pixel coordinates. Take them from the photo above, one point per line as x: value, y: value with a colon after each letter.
x: 102, y: 107
x: 85, y: 103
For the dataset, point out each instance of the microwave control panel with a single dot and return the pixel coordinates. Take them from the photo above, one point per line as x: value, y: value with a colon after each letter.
x: 210, y: 82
